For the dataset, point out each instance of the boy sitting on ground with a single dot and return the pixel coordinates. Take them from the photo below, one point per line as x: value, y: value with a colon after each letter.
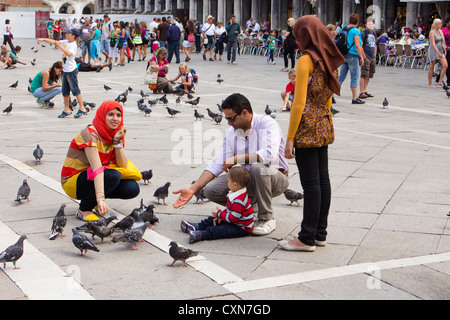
x: 288, y: 94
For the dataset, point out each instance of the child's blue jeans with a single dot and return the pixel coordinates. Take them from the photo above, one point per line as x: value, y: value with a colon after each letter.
x: 222, y: 230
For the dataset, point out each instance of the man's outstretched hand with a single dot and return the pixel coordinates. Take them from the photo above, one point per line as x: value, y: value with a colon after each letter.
x: 185, y: 195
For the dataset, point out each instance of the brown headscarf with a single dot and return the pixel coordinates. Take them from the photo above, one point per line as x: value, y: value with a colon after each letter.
x: 314, y: 39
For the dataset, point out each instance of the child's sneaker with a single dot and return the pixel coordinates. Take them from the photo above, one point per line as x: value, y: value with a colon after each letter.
x: 64, y: 114
x: 187, y: 226
x: 79, y: 113
x: 195, y: 236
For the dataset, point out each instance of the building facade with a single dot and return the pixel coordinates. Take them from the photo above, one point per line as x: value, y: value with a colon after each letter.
x: 278, y: 11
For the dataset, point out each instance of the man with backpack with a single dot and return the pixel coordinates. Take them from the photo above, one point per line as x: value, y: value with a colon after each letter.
x: 350, y: 45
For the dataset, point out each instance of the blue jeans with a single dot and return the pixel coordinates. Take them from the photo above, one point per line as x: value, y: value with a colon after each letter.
x: 174, y: 46
x: 220, y: 231
x: 231, y: 50
x: 114, y: 188
x: 46, y: 95
x: 70, y: 83
x: 351, y: 63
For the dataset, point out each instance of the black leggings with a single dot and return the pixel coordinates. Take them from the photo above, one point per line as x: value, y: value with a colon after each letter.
x: 7, y: 39
x: 291, y: 52
x: 312, y: 165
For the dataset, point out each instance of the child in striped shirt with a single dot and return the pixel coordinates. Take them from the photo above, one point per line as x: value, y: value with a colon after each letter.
x: 236, y: 220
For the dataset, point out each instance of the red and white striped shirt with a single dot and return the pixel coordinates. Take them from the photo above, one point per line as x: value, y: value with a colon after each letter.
x: 239, y: 210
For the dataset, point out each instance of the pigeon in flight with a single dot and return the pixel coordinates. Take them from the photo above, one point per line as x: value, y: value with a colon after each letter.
x: 24, y: 192
x: 59, y: 222
x: 38, y: 153
x: 162, y: 192
x: 180, y: 253
x: 13, y: 252
x: 293, y: 196
x: 82, y: 242
x: 385, y: 103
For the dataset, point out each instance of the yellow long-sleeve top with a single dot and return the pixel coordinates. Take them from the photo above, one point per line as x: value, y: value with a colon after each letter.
x: 304, y: 71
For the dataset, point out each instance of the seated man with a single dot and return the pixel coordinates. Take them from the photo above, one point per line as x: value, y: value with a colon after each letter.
x: 255, y: 142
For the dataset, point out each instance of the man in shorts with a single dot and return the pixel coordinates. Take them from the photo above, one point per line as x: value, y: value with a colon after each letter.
x: 368, y: 68
x: 86, y: 36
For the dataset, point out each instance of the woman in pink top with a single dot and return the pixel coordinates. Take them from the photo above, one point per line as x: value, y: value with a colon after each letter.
x: 160, y: 64
x: 446, y: 32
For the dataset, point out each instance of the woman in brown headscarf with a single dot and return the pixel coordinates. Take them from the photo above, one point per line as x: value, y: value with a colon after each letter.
x: 311, y: 127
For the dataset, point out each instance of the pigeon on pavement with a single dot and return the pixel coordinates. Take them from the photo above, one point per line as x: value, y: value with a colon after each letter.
x: 82, y: 242
x: 125, y: 224
x: 134, y: 235
x: 162, y: 192
x: 100, y: 231
x: 14, y: 85
x: 24, y: 192
x: 180, y: 253
x: 106, y: 87
x: 172, y: 112
x: 146, y: 176
x: 198, y: 115
x: 193, y: 102
x: 38, y: 153
x: 59, y: 222
x: 8, y: 109
x: 293, y: 196
x: 211, y: 114
x: 149, y: 215
x: 13, y: 252
x: 385, y: 103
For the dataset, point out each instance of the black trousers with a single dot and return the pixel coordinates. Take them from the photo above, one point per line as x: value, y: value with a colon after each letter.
x: 312, y: 165
x: 291, y: 52
x: 7, y: 39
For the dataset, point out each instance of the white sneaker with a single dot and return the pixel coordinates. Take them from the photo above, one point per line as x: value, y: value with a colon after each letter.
x: 264, y: 227
x: 233, y: 62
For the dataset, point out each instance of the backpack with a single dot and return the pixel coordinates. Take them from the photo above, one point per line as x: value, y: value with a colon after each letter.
x: 194, y: 75
x: 341, y: 41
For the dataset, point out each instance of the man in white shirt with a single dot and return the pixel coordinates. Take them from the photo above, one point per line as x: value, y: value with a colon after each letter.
x: 70, y: 71
x: 255, y: 142
x: 105, y: 29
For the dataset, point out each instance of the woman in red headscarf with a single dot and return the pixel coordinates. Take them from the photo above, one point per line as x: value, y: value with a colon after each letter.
x: 85, y: 175
x: 311, y: 127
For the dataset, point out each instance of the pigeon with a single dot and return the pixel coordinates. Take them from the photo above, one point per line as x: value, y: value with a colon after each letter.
x: 59, y: 222
x: 36, y: 51
x: 213, y: 115
x: 180, y: 253
x: 178, y: 101
x: 162, y: 192
x: 448, y: 94
x: 199, y: 194
x: 8, y: 109
x: 220, y: 108
x: 32, y: 48
x: 42, y: 46
x: 100, y: 231
x: 29, y: 89
x: 193, y: 102
x: 82, y: 242
x: 134, y: 235
x: 218, y: 119
x: 24, y: 192
x: 273, y: 114
x: 90, y: 104
x: 13, y: 252
x: 14, y: 85
x: 125, y: 224
x: 121, y: 98
x: 219, y: 80
x: 152, y: 102
x: 130, y: 89
x: 38, y: 153
x: 106, y: 87
x: 143, y: 94
x: 146, y: 176
x: 141, y: 107
x: 147, y: 111
x: 267, y: 110
x: 164, y: 100
x: 33, y: 62
x: 30, y: 80
x: 293, y: 196
x: 172, y: 112
x: 149, y: 215
x: 444, y: 86
x: 100, y: 222
x: 125, y: 93
x: 198, y: 115
x: 190, y: 96
x: 385, y: 103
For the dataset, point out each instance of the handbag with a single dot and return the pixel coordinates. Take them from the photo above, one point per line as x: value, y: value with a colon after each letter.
x: 151, y: 77
x: 131, y: 172
x: 316, y: 126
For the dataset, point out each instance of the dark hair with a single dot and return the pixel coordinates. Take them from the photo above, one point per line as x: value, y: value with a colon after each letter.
x: 6, y: 21
x: 53, y: 77
x: 447, y: 20
x: 354, y: 18
x: 17, y: 48
x: 237, y: 102
x: 240, y: 175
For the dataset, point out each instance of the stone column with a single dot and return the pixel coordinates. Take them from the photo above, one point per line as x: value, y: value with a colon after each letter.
x: 378, y: 14
x: 237, y: 12
x: 346, y: 11
x: 411, y: 13
x: 205, y: 11
x: 274, y: 12
x: 157, y: 5
x: 297, y: 7
x: 180, y: 4
x: 220, y: 10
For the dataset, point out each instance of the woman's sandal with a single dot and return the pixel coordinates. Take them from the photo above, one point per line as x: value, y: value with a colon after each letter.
x: 363, y: 95
x: 90, y: 217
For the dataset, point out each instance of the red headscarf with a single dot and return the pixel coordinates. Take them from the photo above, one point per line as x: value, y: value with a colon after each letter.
x: 99, y: 122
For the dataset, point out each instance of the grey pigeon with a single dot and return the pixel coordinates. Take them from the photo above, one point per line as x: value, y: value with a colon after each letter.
x: 147, y: 111
x: 178, y: 101
x: 162, y: 192
x: 444, y: 86
x: 267, y: 110
x: 100, y: 222
x: 143, y: 94
x: 107, y: 88
x: 8, y: 109
x: 164, y: 100
x: 152, y: 102
x: 220, y: 108
x: 180, y: 253
x: 134, y: 235
x: 172, y: 112
x: 82, y: 242
x: 141, y: 107
x: 125, y: 224
x: 146, y: 176
x: 13, y: 252
x: 273, y: 114
x: 219, y: 78
x: 448, y: 94
x: 149, y: 215
x: 59, y: 222
x: 211, y: 114
x: 14, y: 85
x: 218, y: 119
x: 293, y: 196
x: 24, y: 192
x: 130, y: 89
x: 198, y: 115
x: 385, y: 103
x: 193, y: 102
x: 100, y: 231
x: 38, y: 153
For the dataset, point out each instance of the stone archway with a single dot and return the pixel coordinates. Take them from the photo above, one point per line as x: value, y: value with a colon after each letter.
x: 67, y: 8
x: 88, y: 9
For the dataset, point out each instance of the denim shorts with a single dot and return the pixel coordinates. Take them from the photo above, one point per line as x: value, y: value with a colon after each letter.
x: 351, y: 63
x: 85, y: 47
x: 70, y: 83
x: 104, y: 45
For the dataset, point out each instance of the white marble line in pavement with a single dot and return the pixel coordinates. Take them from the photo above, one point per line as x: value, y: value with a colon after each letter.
x: 322, y: 274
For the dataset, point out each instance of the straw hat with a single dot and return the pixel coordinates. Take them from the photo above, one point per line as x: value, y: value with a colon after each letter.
x: 210, y: 17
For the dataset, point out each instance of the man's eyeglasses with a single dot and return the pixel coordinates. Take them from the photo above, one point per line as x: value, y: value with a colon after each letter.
x: 231, y: 119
